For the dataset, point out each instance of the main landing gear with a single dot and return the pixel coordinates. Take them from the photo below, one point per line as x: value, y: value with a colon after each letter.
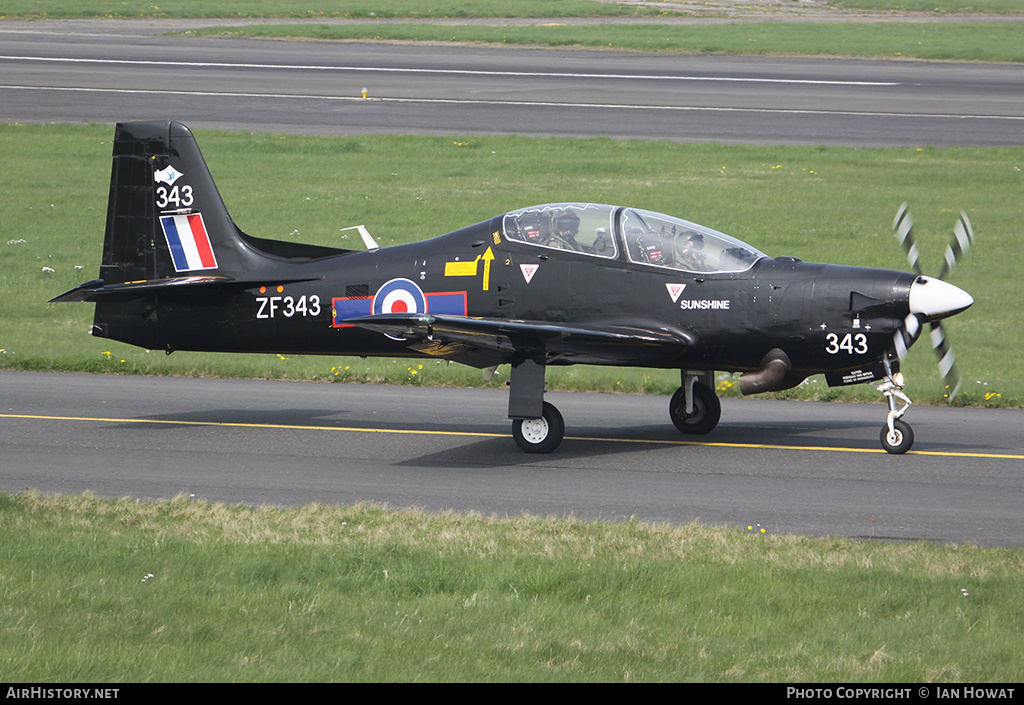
x: 541, y: 435
x: 695, y: 408
x: 538, y: 427
x: 896, y: 436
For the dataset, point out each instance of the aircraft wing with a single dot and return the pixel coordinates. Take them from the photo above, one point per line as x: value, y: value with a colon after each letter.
x: 483, y: 342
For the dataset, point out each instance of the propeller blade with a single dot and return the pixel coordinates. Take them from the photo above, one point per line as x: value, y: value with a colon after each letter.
x: 906, y: 335
x: 903, y: 224
x: 947, y: 361
x: 959, y: 246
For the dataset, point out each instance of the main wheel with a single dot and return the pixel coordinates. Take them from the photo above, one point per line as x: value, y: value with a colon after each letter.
x: 707, y: 410
x: 541, y: 435
x: 901, y: 438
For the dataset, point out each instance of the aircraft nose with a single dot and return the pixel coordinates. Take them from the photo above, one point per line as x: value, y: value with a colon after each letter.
x: 934, y: 299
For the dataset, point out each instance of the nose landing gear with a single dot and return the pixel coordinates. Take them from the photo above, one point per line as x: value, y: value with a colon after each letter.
x: 897, y: 437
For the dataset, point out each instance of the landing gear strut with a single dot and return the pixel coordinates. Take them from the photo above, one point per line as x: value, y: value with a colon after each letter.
x: 695, y: 408
x: 897, y: 436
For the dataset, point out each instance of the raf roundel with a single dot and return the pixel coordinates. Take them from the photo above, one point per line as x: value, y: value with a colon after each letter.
x: 399, y: 296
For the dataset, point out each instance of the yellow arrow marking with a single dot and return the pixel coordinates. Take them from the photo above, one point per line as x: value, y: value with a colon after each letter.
x: 488, y: 258
x: 469, y: 268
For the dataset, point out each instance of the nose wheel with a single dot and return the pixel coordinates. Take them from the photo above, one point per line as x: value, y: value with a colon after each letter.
x: 898, y: 440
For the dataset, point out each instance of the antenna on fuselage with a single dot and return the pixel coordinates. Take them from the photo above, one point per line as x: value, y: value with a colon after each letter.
x: 368, y: 240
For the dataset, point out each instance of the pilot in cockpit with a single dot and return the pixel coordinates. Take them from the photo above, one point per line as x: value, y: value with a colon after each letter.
x: 564, y: 229
x: 691, y: 253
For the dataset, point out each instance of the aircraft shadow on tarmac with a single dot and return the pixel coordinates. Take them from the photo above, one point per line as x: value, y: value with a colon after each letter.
x: 580, y: 442
x: 592, y: 442
x: 327, y: 419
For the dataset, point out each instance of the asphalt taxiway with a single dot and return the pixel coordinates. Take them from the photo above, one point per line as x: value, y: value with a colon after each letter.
x: 787, y: 467
x: 67, y: 73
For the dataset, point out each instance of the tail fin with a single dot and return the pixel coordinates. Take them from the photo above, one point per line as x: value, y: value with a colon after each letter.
x: 168, y: 233
x: 165, y: 217
x: 167, y: 225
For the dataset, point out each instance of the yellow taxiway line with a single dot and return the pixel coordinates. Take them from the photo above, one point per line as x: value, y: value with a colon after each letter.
x: 354, y: 429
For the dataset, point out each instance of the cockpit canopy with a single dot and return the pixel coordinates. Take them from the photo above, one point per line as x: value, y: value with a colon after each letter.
x: 629, y: 234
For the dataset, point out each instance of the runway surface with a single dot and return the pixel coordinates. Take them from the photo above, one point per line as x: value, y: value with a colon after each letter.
x: 317, y: 88
x: 787, y: 467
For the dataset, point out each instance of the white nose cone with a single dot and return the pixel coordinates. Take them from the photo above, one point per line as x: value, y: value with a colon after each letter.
x: 934, y: 299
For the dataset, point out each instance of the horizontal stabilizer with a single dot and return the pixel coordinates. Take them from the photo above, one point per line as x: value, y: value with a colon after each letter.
x: 97, y: 289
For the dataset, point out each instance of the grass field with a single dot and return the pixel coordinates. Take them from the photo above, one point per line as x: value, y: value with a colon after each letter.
x: 115, y: 591
x: 1007, y: 7
x: 337, y: 8
x: 428, y: 8
x: 962, y: 41
x: 819, y: 203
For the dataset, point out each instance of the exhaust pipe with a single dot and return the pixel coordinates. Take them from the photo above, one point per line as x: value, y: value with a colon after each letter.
x: 774, y: 375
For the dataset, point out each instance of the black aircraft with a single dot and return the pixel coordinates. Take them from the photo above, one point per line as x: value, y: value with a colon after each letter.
x: 555, y: 284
